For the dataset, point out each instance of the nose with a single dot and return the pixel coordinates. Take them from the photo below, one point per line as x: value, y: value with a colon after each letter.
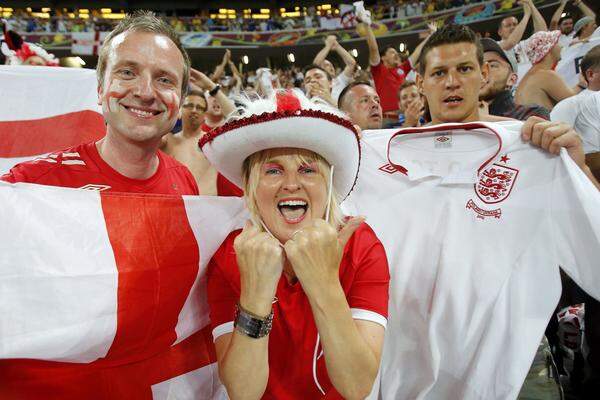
x: 143, y: 89
x: 452, y: 80
x: 291, y: 183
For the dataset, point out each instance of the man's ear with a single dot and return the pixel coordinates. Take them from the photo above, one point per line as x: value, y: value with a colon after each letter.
x: 419, y: 81
x: 512, y: 79
x: 485, y: 73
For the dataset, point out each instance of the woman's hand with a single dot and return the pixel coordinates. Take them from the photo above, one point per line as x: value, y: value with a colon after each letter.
x: 260, y: 260
x: 315, y: 253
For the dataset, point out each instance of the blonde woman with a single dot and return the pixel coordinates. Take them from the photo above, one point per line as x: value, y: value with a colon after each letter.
x: 298, y: 298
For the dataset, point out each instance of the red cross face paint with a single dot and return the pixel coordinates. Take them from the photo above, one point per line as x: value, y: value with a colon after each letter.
x: 141, y: 92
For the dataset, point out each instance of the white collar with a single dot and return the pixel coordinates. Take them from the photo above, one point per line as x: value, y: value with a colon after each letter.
x: 468, y: 168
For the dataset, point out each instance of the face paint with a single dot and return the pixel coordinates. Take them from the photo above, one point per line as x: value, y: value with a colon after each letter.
x: 172, y: 104
x: 112, y: 98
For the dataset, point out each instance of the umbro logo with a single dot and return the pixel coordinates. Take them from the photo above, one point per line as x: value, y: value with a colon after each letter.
x: 389, y: 168
x: 95, y: 187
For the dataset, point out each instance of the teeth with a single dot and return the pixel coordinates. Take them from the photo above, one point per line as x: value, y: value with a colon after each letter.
x: 141, y: 113
x: 292, y: 203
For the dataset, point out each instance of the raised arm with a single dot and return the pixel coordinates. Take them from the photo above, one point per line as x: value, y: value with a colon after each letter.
x: 374, y: 57
x: 348, y: 59
x: 414, y: 57
x: 516, y: 36
x: 539, y: 24
x: 221, y: 67
x: 322, y: 55
x: 557, y: 14
x: 584, y: 8
x: 199, y: 79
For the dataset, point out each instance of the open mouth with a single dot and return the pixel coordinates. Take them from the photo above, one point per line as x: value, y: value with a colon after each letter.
x: 293, y: 211
x: 453, y: 100
x: 375, y: 115
x: 142, y: 113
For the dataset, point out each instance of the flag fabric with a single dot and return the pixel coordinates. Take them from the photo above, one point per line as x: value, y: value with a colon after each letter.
x: 568, y: 66
x: 45, y: 109
x: 103, y: 295
x: 87, y: 43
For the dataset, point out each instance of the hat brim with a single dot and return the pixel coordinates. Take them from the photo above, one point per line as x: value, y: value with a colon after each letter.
x: 228, y: 147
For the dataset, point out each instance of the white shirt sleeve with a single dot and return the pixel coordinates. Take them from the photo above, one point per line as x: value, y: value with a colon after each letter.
x: 565, y: 111
x: 575, y: 213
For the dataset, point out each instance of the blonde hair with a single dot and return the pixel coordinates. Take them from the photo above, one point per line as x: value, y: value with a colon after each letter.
x: 251, y: 175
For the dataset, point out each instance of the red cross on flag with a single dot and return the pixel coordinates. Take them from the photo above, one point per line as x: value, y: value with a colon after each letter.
x: 87, y: 43
x: 45, y: 109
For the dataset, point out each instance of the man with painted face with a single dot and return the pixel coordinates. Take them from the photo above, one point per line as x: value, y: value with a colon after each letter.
x: 143, y: 74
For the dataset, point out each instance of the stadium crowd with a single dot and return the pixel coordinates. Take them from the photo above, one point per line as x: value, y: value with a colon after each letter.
x: 24, y: 21
x: 395, y: 90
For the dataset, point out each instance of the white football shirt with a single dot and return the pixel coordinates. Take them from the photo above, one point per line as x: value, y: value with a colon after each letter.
x: 475, y: 224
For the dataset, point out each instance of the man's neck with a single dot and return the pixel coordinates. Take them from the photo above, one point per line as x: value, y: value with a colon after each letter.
x: 474, y: 116
x: 133, y: 160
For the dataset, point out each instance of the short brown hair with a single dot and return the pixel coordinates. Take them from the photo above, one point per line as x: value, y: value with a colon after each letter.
x: 450, y: 34
x: 590, y: 60
x: 143, y: 21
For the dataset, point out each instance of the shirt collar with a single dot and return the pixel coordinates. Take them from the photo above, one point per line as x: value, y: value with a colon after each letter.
x: 468, y: 169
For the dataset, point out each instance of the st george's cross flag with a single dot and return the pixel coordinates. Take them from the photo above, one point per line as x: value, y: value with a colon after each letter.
x: 45, y: 109
x: 103, y: 295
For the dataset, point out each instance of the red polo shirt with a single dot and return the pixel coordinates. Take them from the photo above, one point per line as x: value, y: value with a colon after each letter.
x: 364, y: 276
x: 388, y: 81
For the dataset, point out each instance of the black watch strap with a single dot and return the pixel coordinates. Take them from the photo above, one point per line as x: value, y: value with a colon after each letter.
x: 252, y: 325
x: 212, y: 92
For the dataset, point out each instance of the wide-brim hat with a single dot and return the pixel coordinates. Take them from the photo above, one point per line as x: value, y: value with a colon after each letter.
x: 286, y: 120
x: 540, y: 44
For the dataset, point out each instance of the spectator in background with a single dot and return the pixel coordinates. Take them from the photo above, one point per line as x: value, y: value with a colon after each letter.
x: 502, y: 77
x: 410, y: 105
x: 584, y: 29
x: 389, y: 72
x: 565, y: 24
x: 511, y: 34
x: 361, y: 103
x: 317, y: 84
x: 183, y: 145
x: 542, y: 85
x: 580, y: 112
x: 345, y: 77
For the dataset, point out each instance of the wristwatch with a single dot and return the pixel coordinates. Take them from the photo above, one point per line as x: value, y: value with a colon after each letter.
x: 212, y: 92
x: 251, y: 324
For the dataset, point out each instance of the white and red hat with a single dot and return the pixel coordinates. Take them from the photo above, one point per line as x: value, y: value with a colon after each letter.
x: 18, y: 51
x: 286, y: 119
x: 540, y: 44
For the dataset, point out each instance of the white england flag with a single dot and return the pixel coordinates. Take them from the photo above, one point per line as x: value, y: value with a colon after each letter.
x: 104, y: 295
x: 45, y: 109
x: 87, y: 43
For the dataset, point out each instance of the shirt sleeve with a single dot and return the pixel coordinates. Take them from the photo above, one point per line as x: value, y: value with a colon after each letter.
x: 565, y: 111
x: 575, y: 212
x: 368, y: 296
